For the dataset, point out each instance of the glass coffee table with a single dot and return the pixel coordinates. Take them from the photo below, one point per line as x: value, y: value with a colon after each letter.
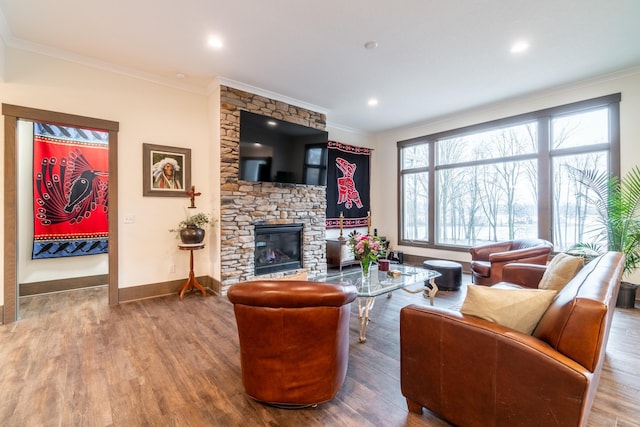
x: 381, y: 282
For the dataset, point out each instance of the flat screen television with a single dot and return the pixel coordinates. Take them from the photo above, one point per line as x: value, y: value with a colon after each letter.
x: 273, y: 150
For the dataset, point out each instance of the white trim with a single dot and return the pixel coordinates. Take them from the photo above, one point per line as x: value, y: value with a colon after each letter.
x: 344, y: 128
x: 11, y: 41
x: 268, y: 94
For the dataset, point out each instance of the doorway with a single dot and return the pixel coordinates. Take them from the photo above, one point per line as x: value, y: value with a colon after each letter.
x: 12, y: 115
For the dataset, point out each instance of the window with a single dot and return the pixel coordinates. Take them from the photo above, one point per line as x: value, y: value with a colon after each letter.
x: 315, y: 164
x: 507, y: 179
x: 415, y: 211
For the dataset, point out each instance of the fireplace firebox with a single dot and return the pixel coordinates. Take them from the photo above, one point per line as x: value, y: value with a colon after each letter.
x: 278, y: 248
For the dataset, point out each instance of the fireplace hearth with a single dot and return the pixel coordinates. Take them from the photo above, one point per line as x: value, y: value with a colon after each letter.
x: 278, y: 247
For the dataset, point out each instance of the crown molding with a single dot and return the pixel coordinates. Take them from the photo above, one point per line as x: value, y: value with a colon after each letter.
x: 55, y: 53
x: 338, y: 126
x: 11, y: 41
x: 219, y: 80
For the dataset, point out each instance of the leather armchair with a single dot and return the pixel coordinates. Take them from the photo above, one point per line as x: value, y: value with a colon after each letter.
x: 294, y: 339
x: 488, y: 261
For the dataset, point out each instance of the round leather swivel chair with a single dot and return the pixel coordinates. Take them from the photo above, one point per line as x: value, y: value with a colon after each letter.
x: 294, y: 339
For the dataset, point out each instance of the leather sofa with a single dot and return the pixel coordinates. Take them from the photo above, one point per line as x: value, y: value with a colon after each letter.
x: 473, y: 372
x: 294, y: 339
x: 488, y: 261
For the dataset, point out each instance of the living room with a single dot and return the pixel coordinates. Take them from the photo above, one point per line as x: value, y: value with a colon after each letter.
x: 146, y: 253
x: 146, y: 261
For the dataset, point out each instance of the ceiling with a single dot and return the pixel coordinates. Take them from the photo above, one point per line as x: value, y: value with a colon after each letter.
x: 434, y: 57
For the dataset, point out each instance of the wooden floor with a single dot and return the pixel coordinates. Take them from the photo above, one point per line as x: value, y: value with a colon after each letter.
x: 74, y: 361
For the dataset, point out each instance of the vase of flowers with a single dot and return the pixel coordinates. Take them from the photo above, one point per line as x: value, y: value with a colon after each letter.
x: 366, y: 249
x: 191, y: 229
x: 365, y: 265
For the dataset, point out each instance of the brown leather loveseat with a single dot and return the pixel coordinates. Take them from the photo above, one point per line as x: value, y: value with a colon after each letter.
x: 473, y: 372
x: 294, y: 339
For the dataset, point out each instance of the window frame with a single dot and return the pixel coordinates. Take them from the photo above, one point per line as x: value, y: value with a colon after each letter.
x: 543, y: 157
x: 321, y: 167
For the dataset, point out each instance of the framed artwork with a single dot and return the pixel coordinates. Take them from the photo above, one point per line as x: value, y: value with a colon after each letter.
x: 166, y: 171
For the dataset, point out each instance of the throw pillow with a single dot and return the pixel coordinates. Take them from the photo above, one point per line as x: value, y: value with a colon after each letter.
x: 519, y: 309
x: 560, y: 271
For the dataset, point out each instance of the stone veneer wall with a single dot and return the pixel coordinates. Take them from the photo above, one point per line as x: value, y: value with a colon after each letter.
x: 243, y: 203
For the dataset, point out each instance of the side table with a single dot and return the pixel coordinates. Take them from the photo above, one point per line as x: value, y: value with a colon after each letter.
x: 339, y: 254
x: 191, y: 281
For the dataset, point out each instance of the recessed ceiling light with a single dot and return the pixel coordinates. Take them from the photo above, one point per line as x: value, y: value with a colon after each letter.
x: 372, y: 102
x: 214, y: 42
x: 370, y: 45
x: 272, y: 123
x: 519, y: 46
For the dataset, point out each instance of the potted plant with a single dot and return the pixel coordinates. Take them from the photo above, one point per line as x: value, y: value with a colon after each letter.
x: 191, y: 229
x: 617, y: 203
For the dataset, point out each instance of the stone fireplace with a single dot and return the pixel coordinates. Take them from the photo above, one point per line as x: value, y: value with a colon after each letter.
x: 244, y: 204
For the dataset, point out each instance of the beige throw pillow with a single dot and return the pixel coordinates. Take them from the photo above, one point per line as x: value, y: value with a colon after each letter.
x: 560, y: 271
x: 519, y: 309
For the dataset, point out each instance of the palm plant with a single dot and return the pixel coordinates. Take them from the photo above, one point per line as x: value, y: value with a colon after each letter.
x: 617, y: 203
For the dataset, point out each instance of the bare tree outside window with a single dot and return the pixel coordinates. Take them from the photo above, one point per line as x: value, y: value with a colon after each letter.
x: 487, y: 178
x: 498, y: 187
x: 415, y: 204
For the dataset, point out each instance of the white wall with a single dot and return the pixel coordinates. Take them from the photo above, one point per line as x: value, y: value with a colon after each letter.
x: 2, y: 79
x: 147, y: 113
x: 384, y: 177
x: 214, y: 180
x: 2, y: 60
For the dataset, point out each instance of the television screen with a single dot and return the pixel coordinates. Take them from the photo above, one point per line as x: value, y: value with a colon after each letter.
x: 273, y: 150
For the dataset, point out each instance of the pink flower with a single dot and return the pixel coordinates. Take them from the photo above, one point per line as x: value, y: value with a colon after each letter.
x: 366, y: 247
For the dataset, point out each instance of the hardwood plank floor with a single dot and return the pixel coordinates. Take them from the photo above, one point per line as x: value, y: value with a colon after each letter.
x: 75, y: 361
